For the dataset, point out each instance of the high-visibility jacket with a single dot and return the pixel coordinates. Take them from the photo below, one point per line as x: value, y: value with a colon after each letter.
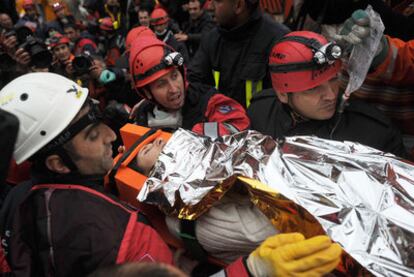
x: 390, y: 86
x: 398, y: 67
x: 236, y: 61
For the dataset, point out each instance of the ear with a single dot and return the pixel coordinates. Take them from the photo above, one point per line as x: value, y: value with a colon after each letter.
x: 54, y: 163
x: 147, y: 93
x: 239, y: 6
x: 283, y: 97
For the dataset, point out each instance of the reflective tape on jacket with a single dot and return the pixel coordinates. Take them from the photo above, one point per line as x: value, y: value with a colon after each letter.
x: 251, y: 87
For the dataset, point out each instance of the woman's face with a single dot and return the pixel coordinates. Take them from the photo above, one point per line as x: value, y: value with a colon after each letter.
x: 148, y: 155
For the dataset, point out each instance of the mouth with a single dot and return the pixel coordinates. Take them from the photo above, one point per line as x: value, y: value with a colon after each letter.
x: 175, y: 98
x: 109, y: 151
x: 331, y: 106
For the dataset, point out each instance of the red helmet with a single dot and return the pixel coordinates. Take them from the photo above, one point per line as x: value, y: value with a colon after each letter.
x: 151, y: 59
x: 58, y: 39
x: 159, y: 16
x: 106, y: 24
x: 57, y: 6
x: 303, y: 60
x: 136, y: 32
x: 28, y: 4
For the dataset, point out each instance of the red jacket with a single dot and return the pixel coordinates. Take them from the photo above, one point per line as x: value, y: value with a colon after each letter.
x: 71, y: 230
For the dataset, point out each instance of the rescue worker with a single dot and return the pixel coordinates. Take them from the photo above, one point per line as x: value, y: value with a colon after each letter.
x: 304, y: 98
x: 163, y: 29
x: 62, y: 18
x: 59, y: 45
x: 159, y: 76
x: 112, y: 42
x: 389, y: 84
x: 112, y: 9
x: 233, y: 56
x: 85, y: 227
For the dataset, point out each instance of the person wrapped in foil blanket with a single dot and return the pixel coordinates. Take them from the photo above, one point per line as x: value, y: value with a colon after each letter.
x: 362, y: 198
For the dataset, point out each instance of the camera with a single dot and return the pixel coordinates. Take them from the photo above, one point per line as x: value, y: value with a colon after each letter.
x: 81, y: 63
x: 20, y: 32
x: 40, y: 56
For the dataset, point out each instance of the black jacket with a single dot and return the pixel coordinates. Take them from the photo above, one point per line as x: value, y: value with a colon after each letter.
x: 239, y: 54
x: 195, y: 29
x: 360, y: 122
x: 169, y: 39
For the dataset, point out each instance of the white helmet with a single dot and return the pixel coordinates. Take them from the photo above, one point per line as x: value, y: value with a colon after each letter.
x: 45, y: 103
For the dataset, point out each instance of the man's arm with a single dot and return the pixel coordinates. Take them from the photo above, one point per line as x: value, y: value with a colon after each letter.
x: 397, y: 67
x: 200, y: 68
x: 224, y: 116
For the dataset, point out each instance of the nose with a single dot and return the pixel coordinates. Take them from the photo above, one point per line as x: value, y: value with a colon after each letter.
x: 329, y: 92
x: 110, y: 135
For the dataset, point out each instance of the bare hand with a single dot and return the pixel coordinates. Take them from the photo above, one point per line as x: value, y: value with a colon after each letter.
x: 181, y: 37
x: 95, y: 71
x: 10, y: 44
x: 68, y: 67
x: 22, y: 57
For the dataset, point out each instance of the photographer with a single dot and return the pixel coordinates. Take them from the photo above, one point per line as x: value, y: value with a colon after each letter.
x: 104, y: 84
x: 62, y: 56
x: 21, y: 52
x: 107, y: 85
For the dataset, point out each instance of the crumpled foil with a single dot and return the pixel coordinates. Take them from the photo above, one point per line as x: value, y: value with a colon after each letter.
x: 361, y: 197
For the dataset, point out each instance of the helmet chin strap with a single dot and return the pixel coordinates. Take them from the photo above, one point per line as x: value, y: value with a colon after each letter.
x: 56, y: 146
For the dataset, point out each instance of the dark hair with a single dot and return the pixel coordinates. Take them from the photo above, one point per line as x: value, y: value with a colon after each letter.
x: 252, y: 5
x: 70, y: 25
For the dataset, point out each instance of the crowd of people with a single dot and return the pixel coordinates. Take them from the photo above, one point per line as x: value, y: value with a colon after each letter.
x: 71, y: 75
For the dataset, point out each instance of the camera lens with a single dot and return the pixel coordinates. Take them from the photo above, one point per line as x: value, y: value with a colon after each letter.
x: 81, y: 65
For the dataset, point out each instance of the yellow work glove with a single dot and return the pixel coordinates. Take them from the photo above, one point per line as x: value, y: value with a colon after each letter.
x: 293, y: 255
